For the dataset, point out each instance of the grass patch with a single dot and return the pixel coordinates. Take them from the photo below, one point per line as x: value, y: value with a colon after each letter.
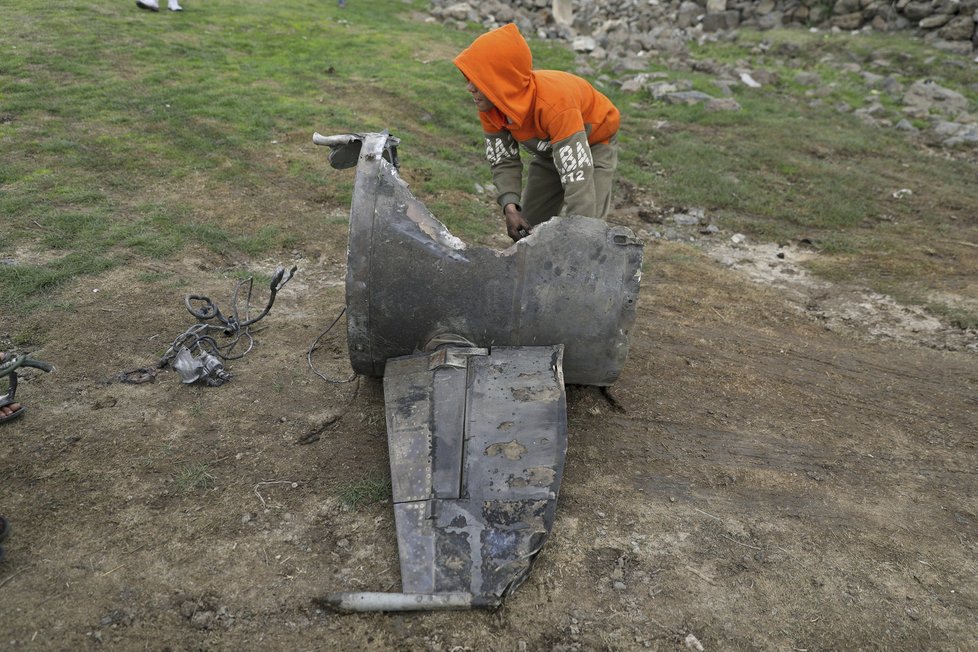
x: 192, y: 115
x: 193, y: 477
x: 958, y: 317
x: 789, y: 165
x: 364, y: 492
x: 26, y: 285
x: 153, y: 277
x: 258, y: 279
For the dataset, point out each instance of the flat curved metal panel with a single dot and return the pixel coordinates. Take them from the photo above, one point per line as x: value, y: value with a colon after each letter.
x: 477, y: 454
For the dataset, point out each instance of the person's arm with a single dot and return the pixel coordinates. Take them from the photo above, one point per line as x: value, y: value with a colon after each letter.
x: 503, y: 154
x: 572, y: 157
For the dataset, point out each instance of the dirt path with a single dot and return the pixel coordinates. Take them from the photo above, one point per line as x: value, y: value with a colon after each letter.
x: 765, y: 483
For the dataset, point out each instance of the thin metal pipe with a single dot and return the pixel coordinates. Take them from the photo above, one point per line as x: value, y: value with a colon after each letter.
x: 377, y: 601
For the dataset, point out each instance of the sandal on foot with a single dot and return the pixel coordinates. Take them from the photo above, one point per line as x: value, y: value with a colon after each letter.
x: 9, y: 364
x: 8, y: 399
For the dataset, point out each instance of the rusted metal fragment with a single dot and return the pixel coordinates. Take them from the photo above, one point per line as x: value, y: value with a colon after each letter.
x: 574, y: 281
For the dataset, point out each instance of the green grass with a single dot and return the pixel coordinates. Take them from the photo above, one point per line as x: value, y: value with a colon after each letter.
x: 192, y: 477
x: 364, y: 492
x: 789, y: 165
x: 804, y: 169
x: 960, y: 317
x: 128, y: 137
x: 137, y: 106
x: 259, y: 280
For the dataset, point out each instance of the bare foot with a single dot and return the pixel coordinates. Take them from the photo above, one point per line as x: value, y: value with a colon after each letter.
x: 8, y: 410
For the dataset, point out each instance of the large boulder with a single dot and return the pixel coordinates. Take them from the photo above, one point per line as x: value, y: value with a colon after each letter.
x: 959, y: 28
x: 716, y: 6
x: 688, y: 15
x: 934, y: 20
x: 721, y: 21
x: 843, y: 7
x: 848, y: 21
x: 916, y: 11
x: 770, y: 21
x: 928, y: 96
x: 953, y: 133
x: 460, y: 11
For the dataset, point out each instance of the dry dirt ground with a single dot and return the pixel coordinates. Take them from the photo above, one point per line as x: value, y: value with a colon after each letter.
x: 768, y: 479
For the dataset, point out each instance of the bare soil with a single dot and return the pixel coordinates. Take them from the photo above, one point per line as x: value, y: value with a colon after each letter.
x: 770, y: 475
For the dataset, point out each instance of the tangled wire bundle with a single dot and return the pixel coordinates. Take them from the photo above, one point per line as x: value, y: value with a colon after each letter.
x: 200, y: 339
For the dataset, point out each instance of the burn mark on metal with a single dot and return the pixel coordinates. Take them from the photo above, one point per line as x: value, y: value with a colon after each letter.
x: 511, y: 450
x: 523, y: 394
x: 538, y: 476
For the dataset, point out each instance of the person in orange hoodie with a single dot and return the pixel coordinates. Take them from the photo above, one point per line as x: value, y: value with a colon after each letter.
x: 569, y: 128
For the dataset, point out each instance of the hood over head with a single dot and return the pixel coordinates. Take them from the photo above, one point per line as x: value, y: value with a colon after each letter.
x: 500, y: 65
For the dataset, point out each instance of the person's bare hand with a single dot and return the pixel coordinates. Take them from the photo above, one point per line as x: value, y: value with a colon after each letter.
x: 516, y: 227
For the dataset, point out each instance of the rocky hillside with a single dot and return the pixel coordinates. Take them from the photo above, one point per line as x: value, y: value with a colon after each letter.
x: 622, y: 36
x: 662, y: 24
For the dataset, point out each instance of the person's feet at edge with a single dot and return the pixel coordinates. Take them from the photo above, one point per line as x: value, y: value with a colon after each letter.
x: 8, y: 411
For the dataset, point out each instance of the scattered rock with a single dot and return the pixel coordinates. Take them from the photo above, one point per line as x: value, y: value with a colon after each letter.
x: 584, y: 44
x: 688, y: 98
x: 952, y: 134
x: 749, y: 80
x: 929, y: 96
x: 722, y: 104
x: 690, y: 217
x: 808, y: 79
x: 118, y: 618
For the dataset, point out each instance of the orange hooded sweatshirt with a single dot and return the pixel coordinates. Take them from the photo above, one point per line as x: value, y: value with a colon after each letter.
x: 546, y: 111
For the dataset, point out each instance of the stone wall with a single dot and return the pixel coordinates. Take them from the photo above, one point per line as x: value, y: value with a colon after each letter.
x: 631, y: 25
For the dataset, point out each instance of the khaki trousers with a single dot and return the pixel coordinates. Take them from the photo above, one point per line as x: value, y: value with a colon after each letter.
x: 543, y: 195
